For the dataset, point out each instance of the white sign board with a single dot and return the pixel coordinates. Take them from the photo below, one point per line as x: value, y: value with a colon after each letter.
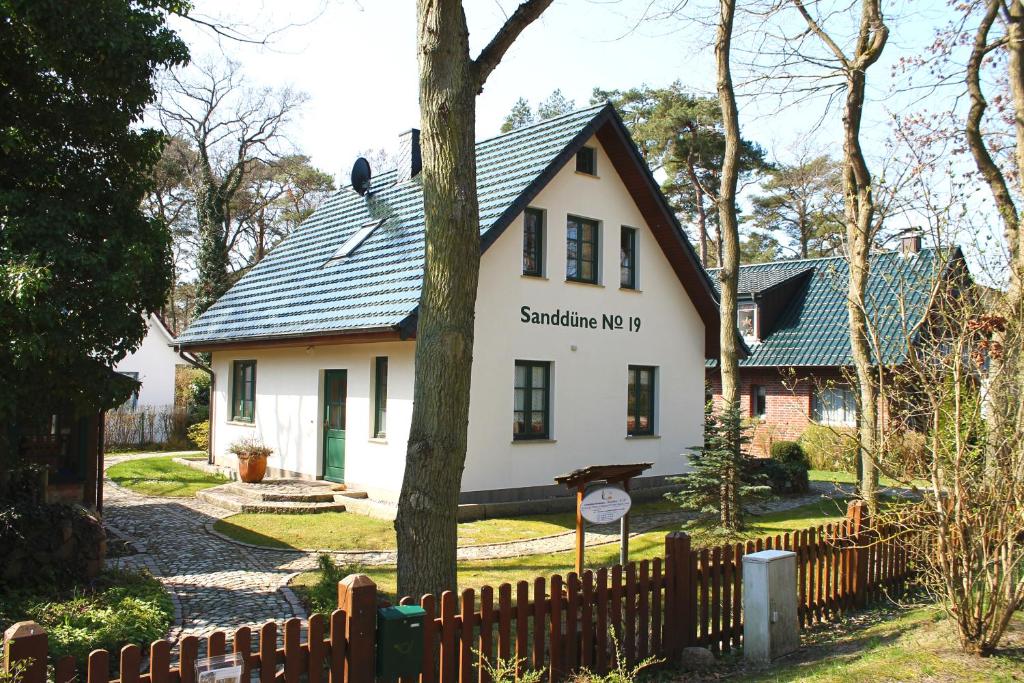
x: 605, y: 505
x: 220, y: 669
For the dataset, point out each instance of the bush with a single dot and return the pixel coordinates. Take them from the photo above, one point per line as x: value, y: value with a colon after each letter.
x: 49, y: 544
x: 122, y: 608
x: 784, y: 477
x: 789, y: 451
x: 906, y: 454
x: 199, y: 435
x: 830, y: 448
x: 322, y: 597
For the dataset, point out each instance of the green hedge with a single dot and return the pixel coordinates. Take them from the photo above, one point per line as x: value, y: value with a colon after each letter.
x: 122, y: 608
x: 830, y: 448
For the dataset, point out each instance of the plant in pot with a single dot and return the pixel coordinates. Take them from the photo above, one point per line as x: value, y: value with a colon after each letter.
x: 252, y: 457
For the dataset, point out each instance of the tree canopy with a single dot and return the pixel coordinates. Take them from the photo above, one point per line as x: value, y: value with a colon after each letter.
x: 521, y: 114
x: 804, y: 202
x: 682, y: 134
x: 80, y: 263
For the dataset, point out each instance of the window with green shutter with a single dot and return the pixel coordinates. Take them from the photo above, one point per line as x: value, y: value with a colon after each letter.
x: 640, y: 401
x: 380, y: 401
x: 531, y: 411
x: 243, y: 390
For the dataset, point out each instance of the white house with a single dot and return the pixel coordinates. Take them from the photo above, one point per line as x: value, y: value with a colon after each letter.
x: 153, y: 364
x: 593, y: 322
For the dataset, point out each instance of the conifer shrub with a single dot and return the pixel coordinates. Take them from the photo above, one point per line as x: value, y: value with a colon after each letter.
x: 721, y: 478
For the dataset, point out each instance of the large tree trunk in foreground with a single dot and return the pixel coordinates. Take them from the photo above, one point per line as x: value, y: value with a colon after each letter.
x: 729, y: 240
x: 449, y: 83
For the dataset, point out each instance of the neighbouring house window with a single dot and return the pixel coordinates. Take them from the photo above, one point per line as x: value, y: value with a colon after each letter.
x: 586, y: 161
x: 533, y: 242
x: 380, y: 400
x: 745, y: 321
x: 834, y: 406
x: 758, y: 400
x: 581, y: 250
x: 640, y: 401
x: 531, y: 414
x: 133, y: 401
x: 243, y: 390
x: 628, y: 258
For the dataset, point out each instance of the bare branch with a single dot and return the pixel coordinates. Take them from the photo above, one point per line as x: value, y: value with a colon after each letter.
x: 491, y: 55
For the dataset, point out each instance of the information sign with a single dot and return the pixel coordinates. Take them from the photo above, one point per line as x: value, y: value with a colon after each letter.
x: 605, y: 505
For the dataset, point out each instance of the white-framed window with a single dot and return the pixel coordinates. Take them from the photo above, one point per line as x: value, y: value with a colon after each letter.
x: 746, y: 321
x: 132, y: 403
x: 834, y: 405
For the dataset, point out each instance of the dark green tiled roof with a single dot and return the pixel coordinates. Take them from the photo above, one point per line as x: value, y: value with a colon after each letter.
x: 812, y: 330
x: 292, y: 292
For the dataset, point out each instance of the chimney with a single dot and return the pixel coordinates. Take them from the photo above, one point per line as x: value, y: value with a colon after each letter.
x: 910, y: 243
x: 409, y: 162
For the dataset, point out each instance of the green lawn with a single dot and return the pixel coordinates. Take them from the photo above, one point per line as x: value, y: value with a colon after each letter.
x: 161, y: 476
x: 347, y: 531
x: 644, y: 546
x: 851, y: 478
x: 892, y: 644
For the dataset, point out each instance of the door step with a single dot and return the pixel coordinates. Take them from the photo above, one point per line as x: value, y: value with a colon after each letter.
x: 284, y: 496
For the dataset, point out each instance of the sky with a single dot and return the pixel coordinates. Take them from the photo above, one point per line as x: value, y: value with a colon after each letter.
x: 356, y: 60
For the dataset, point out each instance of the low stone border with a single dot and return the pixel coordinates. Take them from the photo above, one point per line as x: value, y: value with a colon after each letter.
x: 203, y: 466
x: 289, y: 595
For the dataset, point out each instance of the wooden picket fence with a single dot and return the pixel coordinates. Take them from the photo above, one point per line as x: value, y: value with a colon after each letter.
x: 651, y: 608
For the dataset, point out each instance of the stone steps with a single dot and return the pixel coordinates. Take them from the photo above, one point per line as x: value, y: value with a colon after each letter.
x: 283, y: 496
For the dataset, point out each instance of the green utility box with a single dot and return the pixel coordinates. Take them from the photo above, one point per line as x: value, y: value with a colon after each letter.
x: 399, y: 641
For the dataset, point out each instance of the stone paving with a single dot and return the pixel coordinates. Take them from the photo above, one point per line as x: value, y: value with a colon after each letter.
x: 218, y: 583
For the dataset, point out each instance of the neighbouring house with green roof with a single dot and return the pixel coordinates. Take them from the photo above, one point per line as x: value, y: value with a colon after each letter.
x: 793, y: 317
x: 594, y: 320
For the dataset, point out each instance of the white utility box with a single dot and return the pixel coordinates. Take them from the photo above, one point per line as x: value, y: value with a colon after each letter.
x: 771, y: 627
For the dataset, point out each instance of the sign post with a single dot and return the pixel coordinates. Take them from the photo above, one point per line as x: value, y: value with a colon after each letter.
x: 602, y: 504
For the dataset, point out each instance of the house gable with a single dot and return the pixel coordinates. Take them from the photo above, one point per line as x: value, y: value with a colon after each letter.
x: 295, y: 297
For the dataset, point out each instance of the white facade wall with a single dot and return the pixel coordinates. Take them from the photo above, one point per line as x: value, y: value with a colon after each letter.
x: 155, y: 362
x: 289, y: 413
x: 589, y: 366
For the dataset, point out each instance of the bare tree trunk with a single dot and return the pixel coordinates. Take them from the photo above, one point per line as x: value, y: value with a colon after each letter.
x: 859, y: 210
x: 729, y: 243
x: 449, y: 82
x: 702, y: 218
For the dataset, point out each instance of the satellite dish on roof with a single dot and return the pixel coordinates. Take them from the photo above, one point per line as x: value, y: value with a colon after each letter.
x: 361, y: 176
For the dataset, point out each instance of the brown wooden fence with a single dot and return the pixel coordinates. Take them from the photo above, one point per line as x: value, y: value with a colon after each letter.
x: 690, y: 597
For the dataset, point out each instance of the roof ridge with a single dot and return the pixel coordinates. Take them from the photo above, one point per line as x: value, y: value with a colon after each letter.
x: 521, y: 129
x: 784, y: 261
x: 545, y: 122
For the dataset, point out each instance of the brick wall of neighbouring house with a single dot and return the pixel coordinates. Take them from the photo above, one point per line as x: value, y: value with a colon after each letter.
x: 788, y: 401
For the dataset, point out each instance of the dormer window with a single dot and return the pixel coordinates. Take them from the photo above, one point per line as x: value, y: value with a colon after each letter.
x: 586, y: 161
x: 353, y: 242
x: 746, y: 322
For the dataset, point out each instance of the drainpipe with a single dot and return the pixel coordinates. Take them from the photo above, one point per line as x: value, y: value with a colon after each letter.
x: 213, y: 382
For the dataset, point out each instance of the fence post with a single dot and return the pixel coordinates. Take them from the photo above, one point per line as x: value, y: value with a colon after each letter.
x: 857, y: 513
x: 26, y: 640
x: 357, y: 595
x: 683, y: 594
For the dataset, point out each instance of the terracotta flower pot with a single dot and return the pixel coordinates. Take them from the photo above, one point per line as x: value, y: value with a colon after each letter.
x: 251, y: 470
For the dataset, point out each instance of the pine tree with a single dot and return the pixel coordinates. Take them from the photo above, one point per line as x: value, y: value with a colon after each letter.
x: 720, y: 480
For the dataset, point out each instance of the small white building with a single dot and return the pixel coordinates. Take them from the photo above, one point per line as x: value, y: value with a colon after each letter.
x: 153, y: 364
x: 593, y: 322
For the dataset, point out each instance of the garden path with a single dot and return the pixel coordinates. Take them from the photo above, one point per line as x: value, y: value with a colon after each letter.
x: 218, y: 583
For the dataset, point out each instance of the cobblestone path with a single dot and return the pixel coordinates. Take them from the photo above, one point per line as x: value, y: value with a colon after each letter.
x: 218, y: 583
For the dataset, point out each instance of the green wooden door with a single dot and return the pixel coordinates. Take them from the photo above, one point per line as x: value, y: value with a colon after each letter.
x: 335, y: 390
